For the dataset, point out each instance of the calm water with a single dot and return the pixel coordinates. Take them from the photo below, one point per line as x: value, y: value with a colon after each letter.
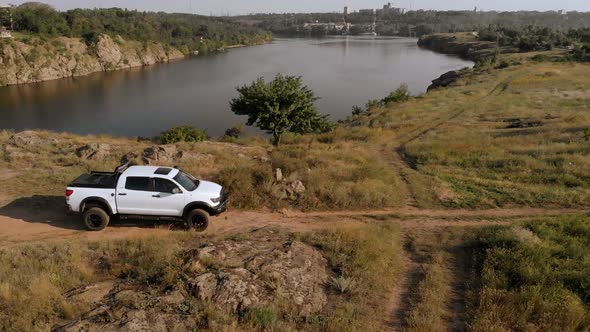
x: 143, y: 102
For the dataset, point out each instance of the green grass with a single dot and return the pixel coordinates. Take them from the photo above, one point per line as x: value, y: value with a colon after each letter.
x: 533, y: 277
x: 368, y: 257
x: 460, y: 137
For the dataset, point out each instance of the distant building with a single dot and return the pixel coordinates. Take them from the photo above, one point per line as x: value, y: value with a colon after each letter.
x: 367, y: 11
x: 346, y: 10
x: 5, y: 33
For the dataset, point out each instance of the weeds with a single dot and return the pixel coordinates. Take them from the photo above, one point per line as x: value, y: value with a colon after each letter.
x: 534, y: 276
x: 365, y: 261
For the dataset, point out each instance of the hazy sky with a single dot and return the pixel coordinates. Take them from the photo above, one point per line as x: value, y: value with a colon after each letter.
x: 218, y: 7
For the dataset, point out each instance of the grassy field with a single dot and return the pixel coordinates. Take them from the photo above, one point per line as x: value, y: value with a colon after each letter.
x: 534, y: 276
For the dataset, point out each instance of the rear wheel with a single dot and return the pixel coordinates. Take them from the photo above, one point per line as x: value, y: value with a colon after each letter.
x: 197, y: 220
x: 95, y: 219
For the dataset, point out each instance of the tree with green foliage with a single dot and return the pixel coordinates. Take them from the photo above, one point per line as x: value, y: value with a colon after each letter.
x: 282, y: 105
x: 183, y: 134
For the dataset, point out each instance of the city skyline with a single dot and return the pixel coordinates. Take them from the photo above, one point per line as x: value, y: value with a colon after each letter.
x: 238, y: 7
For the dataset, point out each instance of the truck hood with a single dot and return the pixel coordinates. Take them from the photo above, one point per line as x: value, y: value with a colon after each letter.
x: 209, y: 188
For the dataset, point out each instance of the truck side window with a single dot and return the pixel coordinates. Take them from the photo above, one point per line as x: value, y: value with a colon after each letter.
x: 164, y: 186
x: 138, y: 183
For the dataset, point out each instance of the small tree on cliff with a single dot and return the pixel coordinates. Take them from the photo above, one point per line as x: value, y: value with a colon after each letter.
x: 283, y: 105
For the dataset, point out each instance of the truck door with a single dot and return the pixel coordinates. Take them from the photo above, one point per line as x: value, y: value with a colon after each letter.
x: 168, y: 199
x: 134, y: 196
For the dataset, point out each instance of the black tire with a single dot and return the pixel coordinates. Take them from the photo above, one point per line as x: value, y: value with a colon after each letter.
x: 197, y: 220
x: 96, y: 219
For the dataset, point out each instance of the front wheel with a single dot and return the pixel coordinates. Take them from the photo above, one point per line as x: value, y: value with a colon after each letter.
x: 198, y: 220
x: 95, y: 219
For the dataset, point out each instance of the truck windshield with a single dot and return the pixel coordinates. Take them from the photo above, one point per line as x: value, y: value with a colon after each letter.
x: 186, y: 181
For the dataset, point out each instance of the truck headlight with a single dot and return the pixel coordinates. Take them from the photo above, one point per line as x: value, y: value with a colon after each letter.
x: 216, y: 200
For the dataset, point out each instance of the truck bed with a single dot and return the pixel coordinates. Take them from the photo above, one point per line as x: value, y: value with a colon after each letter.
x: 97, y: 180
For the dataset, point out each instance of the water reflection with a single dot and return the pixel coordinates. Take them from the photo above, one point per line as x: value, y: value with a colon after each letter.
x: 144, y: 101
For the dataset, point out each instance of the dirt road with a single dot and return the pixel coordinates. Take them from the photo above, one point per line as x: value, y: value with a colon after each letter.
x: 44, y: 218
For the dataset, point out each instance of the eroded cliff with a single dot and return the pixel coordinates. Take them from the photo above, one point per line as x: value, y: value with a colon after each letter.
x: 36, y: 59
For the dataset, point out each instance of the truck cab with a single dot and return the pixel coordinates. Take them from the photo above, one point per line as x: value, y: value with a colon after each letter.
x: 145, y: 192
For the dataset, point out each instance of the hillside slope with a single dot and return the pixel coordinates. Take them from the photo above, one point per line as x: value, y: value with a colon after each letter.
x: 499, y: 137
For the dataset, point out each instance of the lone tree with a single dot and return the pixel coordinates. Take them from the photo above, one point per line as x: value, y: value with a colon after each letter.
x: 283, y: 105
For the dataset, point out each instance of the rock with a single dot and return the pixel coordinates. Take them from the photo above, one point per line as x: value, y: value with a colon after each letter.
x: 203, y: 286
x: 259, y: 269
x: 92, y: 294
x: 298, y: 187
x: 108, y: 52
x: 29, y: 138
x: 240, y: 290
x: 446, y: 79
x: 279, y: 175
x: 160, y: 154
x: 93, y: 151
x: 173, y: 298
x: 130, y: 157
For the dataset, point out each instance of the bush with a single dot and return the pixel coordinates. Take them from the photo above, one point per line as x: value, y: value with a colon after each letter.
x: 234, y: 132
x: 400, y: 95
x: 587, y: 134
x: 183, y: 134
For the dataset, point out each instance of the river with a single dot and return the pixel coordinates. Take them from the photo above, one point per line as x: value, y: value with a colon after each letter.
x: 343, y: 72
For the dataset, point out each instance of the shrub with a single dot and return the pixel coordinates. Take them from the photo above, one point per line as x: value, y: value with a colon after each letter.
x: 234, y: 132
x: 401, y: 94
x: 183, y: 134
x: 587, y: 134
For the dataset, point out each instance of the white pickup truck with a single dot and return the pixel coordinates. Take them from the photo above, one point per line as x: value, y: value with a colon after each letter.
x: 145, y: 192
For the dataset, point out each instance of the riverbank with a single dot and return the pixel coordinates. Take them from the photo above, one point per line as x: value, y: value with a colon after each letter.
x: 37, y: 59
x: 464, y: 44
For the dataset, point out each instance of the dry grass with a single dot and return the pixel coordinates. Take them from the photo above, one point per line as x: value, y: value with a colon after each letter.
x: 430, y: 294
x: 460, y: 137
x: 366, y: 259
x: 34, y: 278
x: 533, y: 277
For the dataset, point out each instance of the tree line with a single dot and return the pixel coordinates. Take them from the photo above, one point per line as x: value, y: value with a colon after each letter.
x: 417, y: 23
x: 184, y: 31
x: 535, y: 38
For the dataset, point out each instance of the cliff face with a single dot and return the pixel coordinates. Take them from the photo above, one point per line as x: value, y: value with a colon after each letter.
x: 37, y: 60
x: 465, y: 45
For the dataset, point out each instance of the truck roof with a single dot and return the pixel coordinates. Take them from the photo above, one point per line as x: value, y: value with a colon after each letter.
x: 165, y: 172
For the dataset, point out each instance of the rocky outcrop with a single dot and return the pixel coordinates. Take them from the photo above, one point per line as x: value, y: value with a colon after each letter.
x: 93, y: 151
x: 467, y: 46
x: 447, y: 79
x: 38, y: 60
x: 232, y: 276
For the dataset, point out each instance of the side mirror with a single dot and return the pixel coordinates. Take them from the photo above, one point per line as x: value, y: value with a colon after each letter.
x: 176, y: 191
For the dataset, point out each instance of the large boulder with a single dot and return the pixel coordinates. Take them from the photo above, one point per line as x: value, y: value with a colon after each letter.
x: 257, y: 272
x: 159, y: 154
x: 29, y: 138
x: 93, y: 151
